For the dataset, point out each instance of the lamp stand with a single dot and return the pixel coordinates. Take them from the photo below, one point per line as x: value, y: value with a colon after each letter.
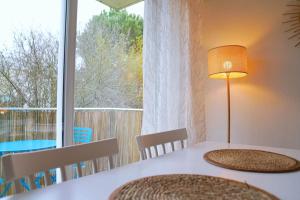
x: 228, y: 108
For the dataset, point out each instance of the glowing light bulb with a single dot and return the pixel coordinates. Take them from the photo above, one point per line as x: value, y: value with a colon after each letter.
x: 227, y: 65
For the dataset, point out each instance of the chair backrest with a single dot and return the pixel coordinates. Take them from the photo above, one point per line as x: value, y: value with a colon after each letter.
x: 21, y: 165
x: 82, y: 135
x: 145, y: 142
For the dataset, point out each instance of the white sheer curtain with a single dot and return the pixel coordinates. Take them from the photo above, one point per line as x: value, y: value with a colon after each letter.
x: 174, y: 67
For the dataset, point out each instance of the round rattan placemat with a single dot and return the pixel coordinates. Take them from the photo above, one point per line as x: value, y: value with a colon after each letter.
x: 187, y: 187
x: 252, y: 160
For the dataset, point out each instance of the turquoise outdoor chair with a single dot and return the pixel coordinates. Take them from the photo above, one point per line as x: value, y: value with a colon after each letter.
x: 81, y: 135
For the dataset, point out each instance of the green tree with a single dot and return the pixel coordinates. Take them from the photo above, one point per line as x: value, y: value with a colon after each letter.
x: 109, y: 68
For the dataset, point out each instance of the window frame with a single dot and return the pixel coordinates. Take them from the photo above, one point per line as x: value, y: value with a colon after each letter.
x: 66, y: 74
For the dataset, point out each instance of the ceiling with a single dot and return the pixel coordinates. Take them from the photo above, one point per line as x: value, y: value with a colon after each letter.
x: 119, y: 4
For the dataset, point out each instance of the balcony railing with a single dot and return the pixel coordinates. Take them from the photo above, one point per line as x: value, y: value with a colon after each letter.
x: 40, y: 123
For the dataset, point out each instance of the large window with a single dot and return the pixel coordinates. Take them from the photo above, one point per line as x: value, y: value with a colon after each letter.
x: 29, y: 56
x: 108, y: 76
x: 38, y: 84
x: 29, y: 44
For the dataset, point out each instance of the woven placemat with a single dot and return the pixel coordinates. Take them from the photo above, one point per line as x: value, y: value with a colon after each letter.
x: 187, y: 187
x: 252, y: 160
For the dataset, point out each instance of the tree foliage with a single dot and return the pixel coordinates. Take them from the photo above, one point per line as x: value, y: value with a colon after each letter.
x: 108, y: 65
x: 110, y: 71
x: 28, y: 71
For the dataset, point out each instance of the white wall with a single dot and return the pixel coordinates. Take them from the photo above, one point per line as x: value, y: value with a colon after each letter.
x: 265, y: 104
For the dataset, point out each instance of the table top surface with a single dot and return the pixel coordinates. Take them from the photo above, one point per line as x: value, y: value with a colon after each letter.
x: 188, y: 161
x: 26, y: 145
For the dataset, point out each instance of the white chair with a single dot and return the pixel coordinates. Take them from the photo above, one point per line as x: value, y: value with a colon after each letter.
x: 145, y: 142
x: 21, y: 165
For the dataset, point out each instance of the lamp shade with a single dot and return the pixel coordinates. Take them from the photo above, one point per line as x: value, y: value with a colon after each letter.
x: 227, y: 62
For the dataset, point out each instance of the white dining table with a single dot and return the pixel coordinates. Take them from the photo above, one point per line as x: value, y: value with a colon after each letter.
x: 188, y: 161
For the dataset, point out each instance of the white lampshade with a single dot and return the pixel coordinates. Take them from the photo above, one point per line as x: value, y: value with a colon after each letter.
x: 227, y: 62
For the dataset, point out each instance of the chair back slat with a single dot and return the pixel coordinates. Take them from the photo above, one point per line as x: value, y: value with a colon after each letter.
x: 63, y: 173
x: 111, y: 162
x: 48, y: 178
x: 144, y: 154
x: 156, y: 151
x: 164, y: 148
x: 79, y: 171
x: 17, y: 186
x: 32, y: 183
x: 172, y: 146
x: 182, y: 144
x: 21, y: 165
x: 95, y: 165
x: 145, y: 142
x: 149, y: 152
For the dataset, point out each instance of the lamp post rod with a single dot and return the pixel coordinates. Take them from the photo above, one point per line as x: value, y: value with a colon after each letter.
x: 228, y: 108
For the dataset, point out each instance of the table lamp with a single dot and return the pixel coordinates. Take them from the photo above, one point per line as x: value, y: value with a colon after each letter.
x: 226, y: 62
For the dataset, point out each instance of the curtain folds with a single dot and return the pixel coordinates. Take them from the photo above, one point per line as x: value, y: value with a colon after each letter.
x: 174, y: 67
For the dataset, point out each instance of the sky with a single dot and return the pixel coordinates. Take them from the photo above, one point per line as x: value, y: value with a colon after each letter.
x: 24, y: 15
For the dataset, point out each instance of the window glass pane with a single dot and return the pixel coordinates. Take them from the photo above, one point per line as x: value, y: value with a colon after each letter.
x: 29, y: 43
x: 108, y: 77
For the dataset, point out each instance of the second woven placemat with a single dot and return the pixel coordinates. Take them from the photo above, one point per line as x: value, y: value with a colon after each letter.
x: 252, y: 160
x: 188, y: 187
